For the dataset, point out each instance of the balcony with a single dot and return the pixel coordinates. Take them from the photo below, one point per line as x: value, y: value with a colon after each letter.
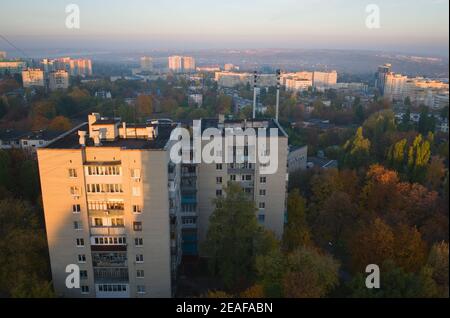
x: 188, y: 199
x: 107, y: 230
x: 111, y: 275
x: 112, y: 212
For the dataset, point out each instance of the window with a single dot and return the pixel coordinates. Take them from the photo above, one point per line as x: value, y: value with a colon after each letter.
x: 262, y: 180
x: 261, y: 218
x: 104, y: 188
x: 117, y: 222
x: 233, y: 177
x: 138, y: 241
x: 98, y: 222
x: 140, y: 273
x: 219, y: 180
x: 136, y: 191
x: 83, y: 274
x: 262, y: 192
x: 85, y: 289
x: 73, y: 173
x: 77, y: 225
x: 81, y: 258
x: 80, y: 242
x: 135, y: 173
x: 248, y: 177
x: 74, y: 191
x: 218, y: 193
x: 141, y: 289
x: 139, y: 258
x: 219, y: 166
x: 137, y: 209
x: 76, y: 208
x: 262, y: 205
x: 189, y: 220
x: 137, y: 226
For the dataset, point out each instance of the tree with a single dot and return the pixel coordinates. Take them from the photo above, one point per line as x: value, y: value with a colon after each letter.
x: 296, y: 232
x: 357, y: 150
x: 410, y: 250
x: 256, y: 291
x: 397, y: 155
x: 372, y: 244
x: 230, y: 240
x: 60, y: 123
x: 336, y: 222
x: 144, y: 105
x: 310, y: 274
x: 438, y: 263
x: 427, y: 122
x: 395, y: 283
x: 419, y: 154
x: 271, y: 268
x: 435, y: 173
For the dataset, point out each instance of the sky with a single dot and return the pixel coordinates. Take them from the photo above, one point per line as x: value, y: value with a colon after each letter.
x: 413, y: 26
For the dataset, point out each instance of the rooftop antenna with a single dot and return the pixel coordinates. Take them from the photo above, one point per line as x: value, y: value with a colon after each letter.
x: 255, y: 79
x: 277, y: 107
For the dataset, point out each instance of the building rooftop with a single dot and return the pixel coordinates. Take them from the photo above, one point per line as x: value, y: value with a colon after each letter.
x: 71, y: 140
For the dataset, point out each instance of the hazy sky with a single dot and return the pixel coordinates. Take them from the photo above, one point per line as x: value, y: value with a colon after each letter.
x: 406, y: 25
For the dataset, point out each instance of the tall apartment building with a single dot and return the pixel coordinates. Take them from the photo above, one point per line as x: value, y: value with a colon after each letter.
x: 80, y: 67
x: 179, y: 64
x: 383, y: 70
x: 324, y: 80
x: 58, y: 80
x: 146, y: 64
x: 111, y: 201
x: 203, y: 182
x: 33, y: 78
x: 394, y: 85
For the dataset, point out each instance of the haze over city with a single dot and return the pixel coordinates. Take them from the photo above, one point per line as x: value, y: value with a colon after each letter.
x: 200, y: 24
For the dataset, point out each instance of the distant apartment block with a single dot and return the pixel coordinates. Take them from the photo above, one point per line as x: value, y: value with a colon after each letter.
x: 2, y: 55
x: 74, y: 67
x: 58, y: 80
x: 146, y: 64
x: 26, y: 140
x: 33, y: 78
x: 324, y: 80
x: 297, y: 159
x: 111, y: 203
x: 181, y: 64
x: 12, y: 67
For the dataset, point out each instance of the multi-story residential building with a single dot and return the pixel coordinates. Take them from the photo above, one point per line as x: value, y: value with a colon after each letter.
x: 111, y: 202
x: 383, y: 70
x: 179, y: 64
x: 298, y: 84
x: 146, y: 64
x: 324, y: 80
x: 33, y: 78
x: 188, y: 64
x: 80, y: 67
x: 203, y: 182
x: 12, y: 67
x: 58, y: 80
x: 176, y: 63
x: 2, y: 55
x: 394, y: 85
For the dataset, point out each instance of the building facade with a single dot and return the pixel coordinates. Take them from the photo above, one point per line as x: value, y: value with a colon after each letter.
x: 58, y: 80
x: 106, y: 211
x: 33, y: 78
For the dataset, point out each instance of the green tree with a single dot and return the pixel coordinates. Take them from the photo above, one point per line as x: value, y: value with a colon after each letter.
x: 438, y: 263
x: 230, y: 241
x: 419, y: 154
x: 310, y: 274
x: 296, y: 231
x: 357, y: 150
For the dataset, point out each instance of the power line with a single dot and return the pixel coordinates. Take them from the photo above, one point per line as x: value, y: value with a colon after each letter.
x: 14, y: 46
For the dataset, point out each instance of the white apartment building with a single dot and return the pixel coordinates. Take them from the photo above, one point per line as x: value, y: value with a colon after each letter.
x: 394, y: 85
x: 324, y: 80
x: 180, y: 64
x: 146, y: 64
x: 58, y: 80
x: 33, y: 78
